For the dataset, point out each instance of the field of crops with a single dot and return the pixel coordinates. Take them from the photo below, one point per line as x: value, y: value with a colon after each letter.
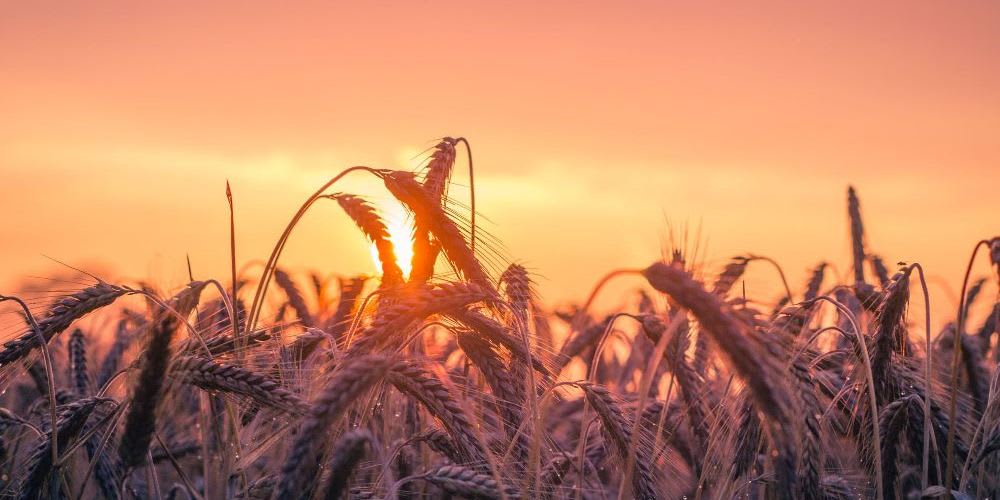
x: 448, y: 376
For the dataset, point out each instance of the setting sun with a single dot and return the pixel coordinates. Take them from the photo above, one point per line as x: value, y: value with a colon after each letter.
x: 400, y: 225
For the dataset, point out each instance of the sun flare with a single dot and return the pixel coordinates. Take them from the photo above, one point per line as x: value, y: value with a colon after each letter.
x: 400, y: 226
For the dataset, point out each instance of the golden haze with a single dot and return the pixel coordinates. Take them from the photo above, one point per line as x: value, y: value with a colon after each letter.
x: 592, y: 125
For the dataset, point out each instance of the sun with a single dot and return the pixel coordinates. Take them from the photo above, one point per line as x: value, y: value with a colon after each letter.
x: 400, y: 226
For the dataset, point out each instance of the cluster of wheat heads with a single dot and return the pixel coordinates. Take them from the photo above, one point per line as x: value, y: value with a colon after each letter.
x: 462, y: 384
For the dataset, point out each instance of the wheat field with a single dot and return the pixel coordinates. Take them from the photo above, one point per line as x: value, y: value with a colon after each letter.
x: 447, y: 376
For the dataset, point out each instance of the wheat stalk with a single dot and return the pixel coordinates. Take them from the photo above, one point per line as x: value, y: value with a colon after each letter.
x: 210, y: 375
x: 63, y: 313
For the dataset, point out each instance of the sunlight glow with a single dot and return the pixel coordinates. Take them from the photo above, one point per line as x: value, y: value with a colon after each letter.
x: 400, y: 225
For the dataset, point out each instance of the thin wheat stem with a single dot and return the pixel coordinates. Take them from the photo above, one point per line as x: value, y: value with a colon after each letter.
x: 862, y: 347
x: 272, y: 261
x: 49, y: 373
x: 956, y: 353
x: 652, y: 366
x: 472, y: 197
x: 119, y: 413
x: 582, y: 312
x: 925, y: 458
x: 781, y: 273
x: 177, y: 467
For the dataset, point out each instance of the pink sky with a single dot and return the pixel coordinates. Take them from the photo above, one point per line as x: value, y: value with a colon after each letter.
x: 592, y: 124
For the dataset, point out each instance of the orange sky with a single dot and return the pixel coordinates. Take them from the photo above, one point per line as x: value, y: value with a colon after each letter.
x: 592, y: 123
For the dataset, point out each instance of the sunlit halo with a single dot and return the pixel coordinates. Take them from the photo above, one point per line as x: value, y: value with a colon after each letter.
x: 400, y: 227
